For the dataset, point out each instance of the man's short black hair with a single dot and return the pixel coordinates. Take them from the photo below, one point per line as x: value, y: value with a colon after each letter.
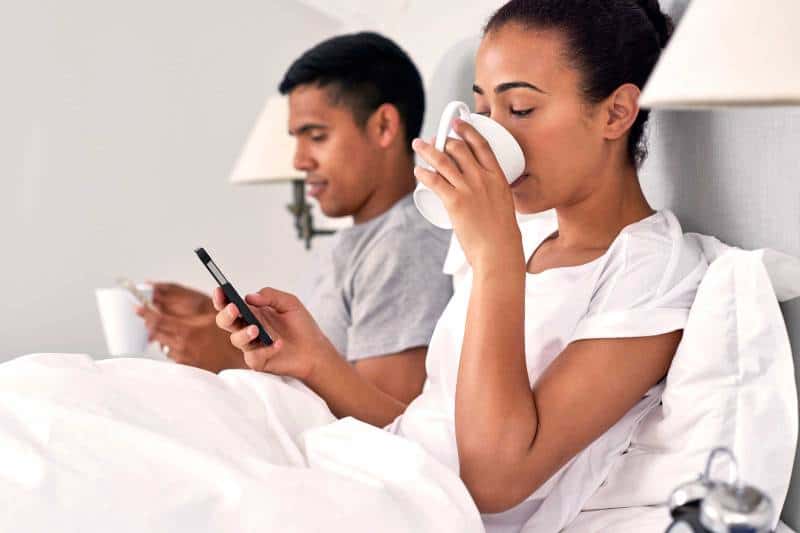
x: 363, y: 71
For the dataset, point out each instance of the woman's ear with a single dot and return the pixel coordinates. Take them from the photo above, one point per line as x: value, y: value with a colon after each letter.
x: 385, y: 125
x: 622, y: 108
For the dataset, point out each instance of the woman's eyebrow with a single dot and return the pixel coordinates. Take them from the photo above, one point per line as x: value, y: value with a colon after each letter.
x: 508, y: 86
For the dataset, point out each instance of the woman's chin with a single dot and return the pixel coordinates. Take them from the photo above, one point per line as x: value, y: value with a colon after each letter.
x: 531, y: 203
x: 527, y: 201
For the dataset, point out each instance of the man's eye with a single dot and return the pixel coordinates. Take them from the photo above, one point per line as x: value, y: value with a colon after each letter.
x: 521, y: 112
x: 318, y: 138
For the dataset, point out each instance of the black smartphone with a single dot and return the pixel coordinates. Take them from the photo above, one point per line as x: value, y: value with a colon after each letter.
x: 233, y: 296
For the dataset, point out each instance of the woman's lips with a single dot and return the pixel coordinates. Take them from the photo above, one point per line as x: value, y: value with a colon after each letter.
x: 519, y: 180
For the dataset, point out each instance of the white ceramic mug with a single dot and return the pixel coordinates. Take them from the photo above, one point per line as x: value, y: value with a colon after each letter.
x: 124, y: 330
x: 506, y: 149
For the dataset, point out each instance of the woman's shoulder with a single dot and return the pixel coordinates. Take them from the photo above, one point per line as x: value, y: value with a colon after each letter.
x: 660, y: 227
x: 654, y: 255
x: 655, y: 238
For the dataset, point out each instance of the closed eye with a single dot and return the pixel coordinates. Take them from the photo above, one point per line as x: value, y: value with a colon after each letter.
x: 521, y: 112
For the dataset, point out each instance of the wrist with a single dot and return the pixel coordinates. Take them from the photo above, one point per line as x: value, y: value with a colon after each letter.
x: 325, y: 363
x: 500, y: 251
x: 504, y: 264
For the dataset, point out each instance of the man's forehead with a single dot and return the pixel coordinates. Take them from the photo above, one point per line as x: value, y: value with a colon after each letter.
x: 311, y: 106
x: 311, y: 100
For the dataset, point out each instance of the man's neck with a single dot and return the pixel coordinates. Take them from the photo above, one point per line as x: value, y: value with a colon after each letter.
x: 396, y: 183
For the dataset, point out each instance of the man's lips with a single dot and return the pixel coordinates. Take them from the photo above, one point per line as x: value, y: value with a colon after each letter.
x: 315, y: 187
x: 519, y: 180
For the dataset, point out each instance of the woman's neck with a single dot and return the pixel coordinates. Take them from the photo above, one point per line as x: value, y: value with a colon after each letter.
x: 595, y: 221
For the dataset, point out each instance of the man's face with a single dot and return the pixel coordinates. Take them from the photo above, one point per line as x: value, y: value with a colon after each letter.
x: 336, y: 154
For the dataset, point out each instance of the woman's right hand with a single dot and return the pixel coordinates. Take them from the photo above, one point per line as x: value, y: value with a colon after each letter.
x: 299, y: 345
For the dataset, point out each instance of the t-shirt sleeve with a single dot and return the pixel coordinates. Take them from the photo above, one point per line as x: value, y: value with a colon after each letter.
x: 646, y: 288
x: 399, y: 292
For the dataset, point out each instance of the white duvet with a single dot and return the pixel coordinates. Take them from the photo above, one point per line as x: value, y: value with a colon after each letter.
x: 138, y: 445
x: 132, y: 444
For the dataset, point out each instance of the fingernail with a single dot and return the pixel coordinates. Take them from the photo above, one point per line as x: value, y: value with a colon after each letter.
x: 416, y: 143
x: 252, y: 331
x: 230, y: 309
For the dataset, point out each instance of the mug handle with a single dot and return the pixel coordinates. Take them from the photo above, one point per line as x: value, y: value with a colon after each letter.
x: 446, y: 121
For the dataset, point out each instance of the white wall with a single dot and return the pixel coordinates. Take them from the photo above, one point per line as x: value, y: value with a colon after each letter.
x: 441, y: 37
x: 119, y: 124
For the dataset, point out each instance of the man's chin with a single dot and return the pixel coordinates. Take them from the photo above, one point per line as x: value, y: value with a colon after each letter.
x: 332, y: 211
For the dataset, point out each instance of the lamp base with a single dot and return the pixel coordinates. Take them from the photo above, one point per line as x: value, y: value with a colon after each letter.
x: 303, y: 219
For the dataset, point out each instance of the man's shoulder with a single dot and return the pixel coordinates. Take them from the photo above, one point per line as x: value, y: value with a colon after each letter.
x: 411, y: 220
x: 402, y: 227
x: 403, y: 241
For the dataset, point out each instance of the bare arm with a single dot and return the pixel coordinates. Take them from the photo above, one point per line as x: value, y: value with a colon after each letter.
x: 302, y: 351
x: 511, y: 439
x: 366, y: 392
x: 400, y: 375
x: 379, y: 389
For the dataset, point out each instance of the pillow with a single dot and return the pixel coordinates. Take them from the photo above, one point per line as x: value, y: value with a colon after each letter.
x: 731, y: 384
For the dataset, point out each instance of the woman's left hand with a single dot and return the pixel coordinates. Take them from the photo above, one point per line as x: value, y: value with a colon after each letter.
x: 473, y: 189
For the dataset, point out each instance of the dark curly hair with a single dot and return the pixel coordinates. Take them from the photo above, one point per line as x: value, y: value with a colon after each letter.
x: 611, y: 42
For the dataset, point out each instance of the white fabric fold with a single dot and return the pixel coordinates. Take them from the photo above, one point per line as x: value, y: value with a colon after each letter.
x: 731, y: 384
x: 132, y: 445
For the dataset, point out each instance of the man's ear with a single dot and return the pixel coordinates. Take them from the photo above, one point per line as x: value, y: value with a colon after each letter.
x: 385, y: 125
x: 621, y: 109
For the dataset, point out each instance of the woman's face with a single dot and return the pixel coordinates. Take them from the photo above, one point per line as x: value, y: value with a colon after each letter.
x: 525, y: 82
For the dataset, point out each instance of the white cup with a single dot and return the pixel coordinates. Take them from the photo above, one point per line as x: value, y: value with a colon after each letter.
x: 506, y: 150
x: 124, y: 330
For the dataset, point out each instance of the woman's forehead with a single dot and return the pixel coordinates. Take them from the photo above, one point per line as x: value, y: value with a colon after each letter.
x: 513, y: 53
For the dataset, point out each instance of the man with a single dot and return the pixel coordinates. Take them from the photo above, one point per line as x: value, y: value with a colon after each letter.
x: 355, y: 103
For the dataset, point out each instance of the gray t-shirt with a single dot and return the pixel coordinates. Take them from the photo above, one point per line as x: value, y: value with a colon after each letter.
x: 382, y: 289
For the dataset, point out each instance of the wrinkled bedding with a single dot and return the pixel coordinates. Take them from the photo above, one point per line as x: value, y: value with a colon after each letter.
x: 131, y: 444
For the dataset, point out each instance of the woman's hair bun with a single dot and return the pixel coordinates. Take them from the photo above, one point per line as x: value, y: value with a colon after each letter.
x: 661, y: 22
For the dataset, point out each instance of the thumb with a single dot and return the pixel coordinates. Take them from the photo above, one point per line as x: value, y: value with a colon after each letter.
x: 280, y: 301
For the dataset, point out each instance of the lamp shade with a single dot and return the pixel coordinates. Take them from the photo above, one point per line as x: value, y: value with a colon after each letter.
x: 730, y: 53
x: 269, y: 150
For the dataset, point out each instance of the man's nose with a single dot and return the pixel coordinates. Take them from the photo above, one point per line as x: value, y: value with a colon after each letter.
x: 303, y: 161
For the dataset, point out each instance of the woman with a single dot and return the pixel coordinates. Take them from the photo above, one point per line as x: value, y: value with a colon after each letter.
x: 554, y: 346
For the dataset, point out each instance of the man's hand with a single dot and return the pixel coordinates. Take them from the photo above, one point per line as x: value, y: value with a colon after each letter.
x: 302, y: 351
x: 177, y: 300
x: 299, y: 344
x: 192, y: 340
